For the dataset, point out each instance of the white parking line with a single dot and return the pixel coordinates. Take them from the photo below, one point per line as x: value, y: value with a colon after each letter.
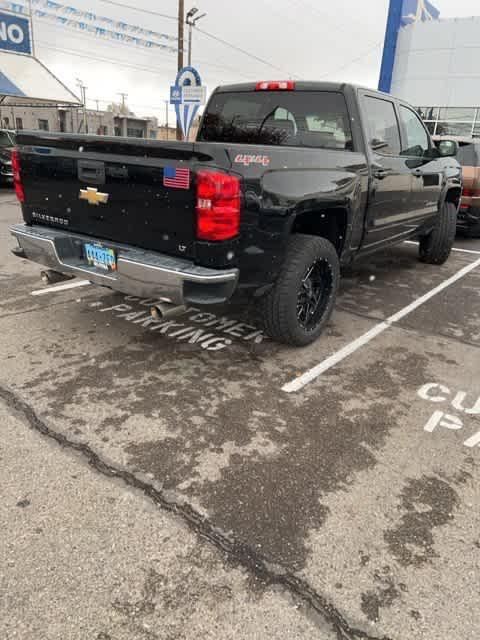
x: 342, y: 354
x: 61, y: 287
x: 475, y: 253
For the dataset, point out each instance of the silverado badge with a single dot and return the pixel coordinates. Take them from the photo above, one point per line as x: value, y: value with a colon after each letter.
x: 93, y: 196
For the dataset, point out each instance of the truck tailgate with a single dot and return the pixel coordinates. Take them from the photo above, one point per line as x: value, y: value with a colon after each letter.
x: 148, y: 187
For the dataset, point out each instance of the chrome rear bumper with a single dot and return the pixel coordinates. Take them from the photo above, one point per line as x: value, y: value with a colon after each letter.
x: 139, y: 272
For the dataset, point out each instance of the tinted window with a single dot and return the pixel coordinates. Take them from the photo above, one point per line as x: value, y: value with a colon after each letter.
x: 288, y: 118
x: 6, y: 140
x: 383, y: 131
x: 468, y: 155
x: 417, y: 143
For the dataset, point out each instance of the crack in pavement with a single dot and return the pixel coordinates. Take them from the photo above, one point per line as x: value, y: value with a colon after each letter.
x: 236, y: 551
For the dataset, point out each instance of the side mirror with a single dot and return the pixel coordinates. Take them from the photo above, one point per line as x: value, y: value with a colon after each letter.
x: 447, y: 148
x: 377, y: 144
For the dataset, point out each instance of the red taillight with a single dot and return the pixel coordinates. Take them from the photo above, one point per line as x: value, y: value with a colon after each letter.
x: 17, y: 179
x: 471, y: 193
x: 218, y: 205
x: 275, y: 85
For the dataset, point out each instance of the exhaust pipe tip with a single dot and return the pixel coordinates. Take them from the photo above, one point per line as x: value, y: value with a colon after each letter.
x: 51, y: 277
x: 156, y: 313
x: 164, y: 310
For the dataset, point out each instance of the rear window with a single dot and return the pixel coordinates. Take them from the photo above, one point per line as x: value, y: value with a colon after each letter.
x: 469, y: 154
x: 6, y: 140
x: 317, y: 119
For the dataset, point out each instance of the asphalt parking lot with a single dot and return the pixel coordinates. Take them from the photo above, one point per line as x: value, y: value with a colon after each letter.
x: 193, y: 479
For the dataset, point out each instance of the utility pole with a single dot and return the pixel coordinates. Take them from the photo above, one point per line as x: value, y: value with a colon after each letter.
x: 83, y: 91
x: 30, y: 12
x: 166, y: 115
x: 181, y: 20
x: 99, y: 113
x: 124, y: 95
x: 191, y: 21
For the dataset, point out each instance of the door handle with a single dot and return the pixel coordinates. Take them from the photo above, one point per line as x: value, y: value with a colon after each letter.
x: 418, y: 173
x: 91, y: 171
x: 380, y: 174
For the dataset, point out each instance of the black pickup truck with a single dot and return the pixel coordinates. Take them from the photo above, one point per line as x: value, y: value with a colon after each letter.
x: 285, y: 183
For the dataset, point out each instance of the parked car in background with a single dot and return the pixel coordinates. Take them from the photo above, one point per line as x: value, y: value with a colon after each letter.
x: 7, y: 142
x: 469, y: 157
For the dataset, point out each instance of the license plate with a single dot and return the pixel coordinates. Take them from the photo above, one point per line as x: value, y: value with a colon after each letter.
x: 101, y: 257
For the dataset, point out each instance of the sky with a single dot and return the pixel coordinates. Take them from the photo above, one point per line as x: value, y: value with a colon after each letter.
x: 308, y: 39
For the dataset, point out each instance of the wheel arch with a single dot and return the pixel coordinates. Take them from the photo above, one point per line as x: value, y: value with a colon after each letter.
x: 329, y: 223
x: 453, y: 195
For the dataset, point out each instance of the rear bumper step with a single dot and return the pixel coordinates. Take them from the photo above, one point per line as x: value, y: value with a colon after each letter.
x: 147, y: 274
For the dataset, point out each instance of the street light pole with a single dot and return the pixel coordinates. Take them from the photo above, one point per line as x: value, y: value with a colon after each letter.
x: 166, y: 116
x: 83, y: 91
x: 181, y: 20
x: 191, y: 21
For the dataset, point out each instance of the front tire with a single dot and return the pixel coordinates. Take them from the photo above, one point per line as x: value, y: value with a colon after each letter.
x: 435, y: 248
x: 297, y: 308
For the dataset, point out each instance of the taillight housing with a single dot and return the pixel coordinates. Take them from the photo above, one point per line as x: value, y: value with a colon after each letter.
x: 471, y: 193
x: 275, y: 85
x: 17, y: 178
x: 218, y: 205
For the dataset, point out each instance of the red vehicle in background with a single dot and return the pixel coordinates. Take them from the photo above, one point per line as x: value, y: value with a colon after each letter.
x: 469, y: 213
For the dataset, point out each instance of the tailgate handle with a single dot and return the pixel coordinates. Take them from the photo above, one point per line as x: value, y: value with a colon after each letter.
x: 91, y: 171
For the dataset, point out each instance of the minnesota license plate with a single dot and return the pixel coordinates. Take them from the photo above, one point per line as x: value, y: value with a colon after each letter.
x: 101, y: 257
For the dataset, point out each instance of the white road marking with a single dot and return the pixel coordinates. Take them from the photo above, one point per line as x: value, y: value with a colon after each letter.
x: 349, y: 349
x: 475, y: 253
x: 61, y: 287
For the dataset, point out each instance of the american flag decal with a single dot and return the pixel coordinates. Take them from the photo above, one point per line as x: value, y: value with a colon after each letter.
x: 176, y: 178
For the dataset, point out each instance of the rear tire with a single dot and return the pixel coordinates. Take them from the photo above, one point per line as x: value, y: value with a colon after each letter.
x: 297, y: 308
x: 435, y: 248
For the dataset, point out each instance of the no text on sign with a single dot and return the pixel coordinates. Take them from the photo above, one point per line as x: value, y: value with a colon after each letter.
x: 15, y: 33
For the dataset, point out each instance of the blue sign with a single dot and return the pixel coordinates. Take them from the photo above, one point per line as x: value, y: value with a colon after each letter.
x: 401, y: 13
x: 175, y: 95
x: 186, y: 96
x: 15, y: 33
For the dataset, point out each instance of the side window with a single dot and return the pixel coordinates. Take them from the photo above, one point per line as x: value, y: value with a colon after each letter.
x: 383, y: 131
x: 416, y: 143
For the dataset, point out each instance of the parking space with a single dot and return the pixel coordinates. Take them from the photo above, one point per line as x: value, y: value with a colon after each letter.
x: 360, y: 484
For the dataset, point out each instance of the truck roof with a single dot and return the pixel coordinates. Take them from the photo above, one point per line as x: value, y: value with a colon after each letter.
x: 300, y: 85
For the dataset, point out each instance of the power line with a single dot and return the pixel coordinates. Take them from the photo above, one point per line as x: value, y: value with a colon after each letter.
x: 351, y: 18
x: 205, y: 33
x: 129, y: 6
x: 73, y: 12
x: 79, y: 37
x: 70, y: 23
x: 352, y: 62
x: 112, y: 61
x: 247, y: 53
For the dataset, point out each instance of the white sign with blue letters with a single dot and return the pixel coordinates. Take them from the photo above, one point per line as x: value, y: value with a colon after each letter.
x: 187, y: 94
x: 15, y: 33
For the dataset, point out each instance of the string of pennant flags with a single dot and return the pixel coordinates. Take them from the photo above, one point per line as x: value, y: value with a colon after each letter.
x: 89, y: 22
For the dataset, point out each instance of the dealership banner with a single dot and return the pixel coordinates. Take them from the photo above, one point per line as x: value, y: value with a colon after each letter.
x: 94, y: 24
x: 400, y: 14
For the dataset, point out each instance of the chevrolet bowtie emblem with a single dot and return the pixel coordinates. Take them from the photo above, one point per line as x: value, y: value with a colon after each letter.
x: 93, y: 196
